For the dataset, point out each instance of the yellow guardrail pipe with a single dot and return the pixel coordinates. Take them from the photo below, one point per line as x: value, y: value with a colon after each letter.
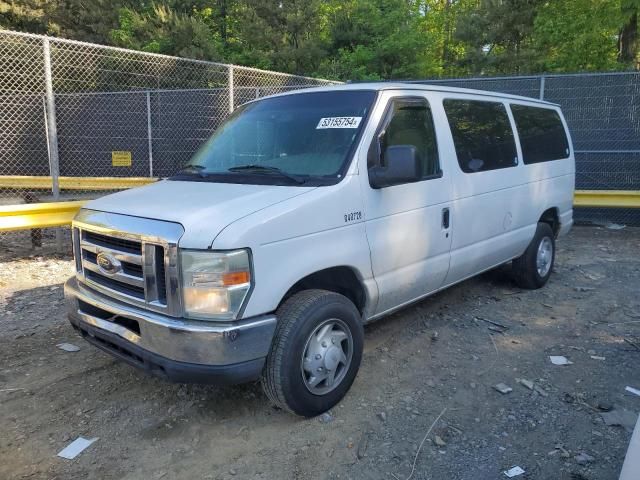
x: 607, y: 198
x: 43, y: 215
x: 37, y: 215
x: 73, y: 183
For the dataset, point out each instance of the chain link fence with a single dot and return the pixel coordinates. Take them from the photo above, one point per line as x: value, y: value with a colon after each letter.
x: 603, y: 113
x: 74, y: 109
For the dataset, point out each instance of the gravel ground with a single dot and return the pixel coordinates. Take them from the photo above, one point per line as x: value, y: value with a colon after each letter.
x: 441, y: 353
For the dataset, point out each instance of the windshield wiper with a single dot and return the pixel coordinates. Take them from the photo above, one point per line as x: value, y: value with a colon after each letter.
x: 193, y: 169
x: 267, y: 169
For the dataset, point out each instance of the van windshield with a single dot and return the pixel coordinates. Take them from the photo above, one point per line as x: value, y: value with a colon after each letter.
x: 305, y: 138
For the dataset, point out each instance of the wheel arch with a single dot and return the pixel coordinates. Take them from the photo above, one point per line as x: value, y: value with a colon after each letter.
x: 551, y: 217
x: 340, y: 279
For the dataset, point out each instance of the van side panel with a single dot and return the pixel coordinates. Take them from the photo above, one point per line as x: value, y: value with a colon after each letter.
x: 552, y: 183
x: 495, y: 212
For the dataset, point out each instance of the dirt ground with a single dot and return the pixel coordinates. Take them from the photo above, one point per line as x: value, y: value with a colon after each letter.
x: 440, y: 353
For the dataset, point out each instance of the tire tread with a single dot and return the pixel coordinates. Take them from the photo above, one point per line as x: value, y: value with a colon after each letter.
x: 524, y: 267
x: 288, y: 313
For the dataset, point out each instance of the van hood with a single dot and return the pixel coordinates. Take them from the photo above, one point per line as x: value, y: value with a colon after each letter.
x: 204, y: 209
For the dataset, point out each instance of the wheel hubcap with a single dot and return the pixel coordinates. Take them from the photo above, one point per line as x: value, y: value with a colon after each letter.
x: 327, y: 356
x: 544, y: 256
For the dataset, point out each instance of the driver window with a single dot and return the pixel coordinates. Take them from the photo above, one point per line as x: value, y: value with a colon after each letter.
x: 409, y: 122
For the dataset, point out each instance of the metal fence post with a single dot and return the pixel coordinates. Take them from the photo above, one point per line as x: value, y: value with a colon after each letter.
x: 149, y: 134
x: 230, y: 86
x: 51, y: 131
x: 542, y: 81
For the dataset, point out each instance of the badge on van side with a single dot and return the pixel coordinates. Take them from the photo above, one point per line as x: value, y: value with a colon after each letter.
x: 350, y: 217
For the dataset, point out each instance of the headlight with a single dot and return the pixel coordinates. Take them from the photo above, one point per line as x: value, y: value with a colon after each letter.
x: 214, y: 284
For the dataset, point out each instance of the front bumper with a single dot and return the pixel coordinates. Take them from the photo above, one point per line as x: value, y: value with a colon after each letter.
x: 178, y: 349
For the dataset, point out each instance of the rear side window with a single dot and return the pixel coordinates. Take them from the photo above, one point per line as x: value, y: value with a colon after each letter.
x: 482, y: 135
x: 542, y: 135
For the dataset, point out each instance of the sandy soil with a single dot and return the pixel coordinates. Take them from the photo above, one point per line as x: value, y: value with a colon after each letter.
x: 440, y: 353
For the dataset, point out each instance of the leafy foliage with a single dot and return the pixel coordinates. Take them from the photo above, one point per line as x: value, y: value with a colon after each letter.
x: 356, y: 39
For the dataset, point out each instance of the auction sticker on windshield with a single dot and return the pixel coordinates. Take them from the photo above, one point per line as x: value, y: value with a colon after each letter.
x: 339, y: 122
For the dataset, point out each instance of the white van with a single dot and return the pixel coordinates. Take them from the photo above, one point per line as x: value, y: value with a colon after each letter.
x: 307, y: 215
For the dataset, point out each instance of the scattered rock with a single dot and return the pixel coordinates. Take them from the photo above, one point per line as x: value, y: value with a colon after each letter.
x: 583, y: 458
x: 584, y: 289
x: 502, y: 388
x: 525, y: 383
x: 614, y: 226
x: 68, y: 347
x: 541, y: 391
x: 604, y: 406
x: 621, y: 417
x: 560, y: 360
x: 514, y: 472
x: 362, y: 446
x: 382, y: 416
x: 326, y: 417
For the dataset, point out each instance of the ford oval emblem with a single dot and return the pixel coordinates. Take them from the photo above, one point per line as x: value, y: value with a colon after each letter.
x: 108, y: 264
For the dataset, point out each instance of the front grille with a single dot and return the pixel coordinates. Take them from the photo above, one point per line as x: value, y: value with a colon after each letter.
x: 131, y: 290
x: 135, y: 269
x: 161, y: 277
x: 116, y: 243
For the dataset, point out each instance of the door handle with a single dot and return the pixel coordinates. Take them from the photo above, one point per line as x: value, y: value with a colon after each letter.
x: 445, y: 218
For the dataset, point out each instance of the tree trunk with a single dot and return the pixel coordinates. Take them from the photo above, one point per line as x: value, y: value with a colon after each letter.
x: 222, y: 4
x: 628, y: 41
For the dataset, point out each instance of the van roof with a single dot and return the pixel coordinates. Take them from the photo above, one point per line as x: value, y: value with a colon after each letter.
x: 379, y: 86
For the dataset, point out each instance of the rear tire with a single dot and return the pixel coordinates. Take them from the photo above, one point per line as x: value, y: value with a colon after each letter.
x: 533, y: 268
x: 315, y: 354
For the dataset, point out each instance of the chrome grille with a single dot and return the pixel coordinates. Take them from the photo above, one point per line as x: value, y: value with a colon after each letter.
x: 139, y: 268
x: 130, y: 279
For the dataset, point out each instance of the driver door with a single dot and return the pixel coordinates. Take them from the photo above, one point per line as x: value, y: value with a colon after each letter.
x: 408, y: 225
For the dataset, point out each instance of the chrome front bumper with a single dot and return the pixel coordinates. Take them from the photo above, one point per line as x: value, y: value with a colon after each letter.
x: 180, y: 349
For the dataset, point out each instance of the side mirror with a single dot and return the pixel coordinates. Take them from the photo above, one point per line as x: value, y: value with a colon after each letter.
x: 402, y: 166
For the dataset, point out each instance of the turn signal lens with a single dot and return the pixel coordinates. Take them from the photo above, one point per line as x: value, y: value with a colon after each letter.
x: 235, y: 278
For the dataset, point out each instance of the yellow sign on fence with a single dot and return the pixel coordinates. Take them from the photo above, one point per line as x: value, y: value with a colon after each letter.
x: 120, y: 158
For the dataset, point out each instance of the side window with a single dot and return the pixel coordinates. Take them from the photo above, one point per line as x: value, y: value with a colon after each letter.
x: 408, y: 122
x: 542, y: 135
x: 482, y: 135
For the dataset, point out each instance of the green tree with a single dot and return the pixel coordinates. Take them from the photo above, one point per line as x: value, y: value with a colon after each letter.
x: 577, y: 35
x: 628, y: 41
x: 498, y: 35
x: 87, y: 20
x: 284, y: 35
x: 25, y: 15
x: 356, y: 39
x: 379, y: 39
x: 160, y: 29
x: 445, y: 50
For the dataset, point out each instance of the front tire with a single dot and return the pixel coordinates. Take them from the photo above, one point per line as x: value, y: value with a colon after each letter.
x: 315, y: 354
x: 533, y: 268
